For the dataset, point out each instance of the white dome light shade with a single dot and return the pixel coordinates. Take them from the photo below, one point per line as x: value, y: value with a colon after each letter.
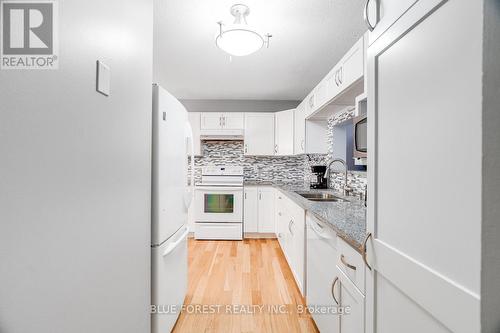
x: 239, y: 39
x: 239, y: 42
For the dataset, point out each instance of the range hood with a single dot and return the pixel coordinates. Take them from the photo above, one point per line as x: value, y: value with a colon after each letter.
x: 221, y: 134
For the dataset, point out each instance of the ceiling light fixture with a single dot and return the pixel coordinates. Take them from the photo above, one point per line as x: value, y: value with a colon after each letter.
x: 239, y: 39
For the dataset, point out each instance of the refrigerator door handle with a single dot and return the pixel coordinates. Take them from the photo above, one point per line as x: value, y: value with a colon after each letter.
x: 188, y: 199
x: 173, y: 245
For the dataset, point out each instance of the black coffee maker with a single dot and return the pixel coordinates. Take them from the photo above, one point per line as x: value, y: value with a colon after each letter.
x: 318, y: 180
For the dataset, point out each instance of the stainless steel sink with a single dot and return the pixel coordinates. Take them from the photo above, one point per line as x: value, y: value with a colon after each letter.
x: 319, y: 196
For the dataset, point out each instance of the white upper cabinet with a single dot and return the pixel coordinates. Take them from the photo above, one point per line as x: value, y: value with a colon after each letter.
x: 233, y: 120
x: 259, y: 133
x: 300, y: 129
x: 219, y: 120
x: 195, y: 121
x: 351, y: 68
x: 283, y: 135
x: 381, y: 14
x: 211, y: 120
x: 347, y: 71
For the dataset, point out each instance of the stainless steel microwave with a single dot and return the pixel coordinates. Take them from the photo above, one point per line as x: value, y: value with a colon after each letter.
x: 360, y: 136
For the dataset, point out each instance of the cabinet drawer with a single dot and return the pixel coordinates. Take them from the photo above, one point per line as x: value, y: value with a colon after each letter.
x: 351, y: 263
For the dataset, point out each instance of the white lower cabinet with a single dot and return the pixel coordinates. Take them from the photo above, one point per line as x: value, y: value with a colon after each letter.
x: 259, y: 211
x: 290, y: 219
x: 321, y: 274
x: 250, y: 210
x: 266, y: 209
x: 329, y: 288
x: 353, y: 302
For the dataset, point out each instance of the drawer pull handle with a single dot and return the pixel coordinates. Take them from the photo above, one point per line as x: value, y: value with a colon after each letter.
x: 333, y: 290
x: 342, y: 258
x: 363, y: 253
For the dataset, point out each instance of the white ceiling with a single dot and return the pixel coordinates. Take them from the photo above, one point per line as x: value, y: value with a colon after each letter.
x: 309, y: 37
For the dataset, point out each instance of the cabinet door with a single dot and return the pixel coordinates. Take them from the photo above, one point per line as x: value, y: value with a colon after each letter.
x: 297, y: 229
x: 352, y: 67
x: 280, y: 217
x: 250, y: 209
x: 211, y: 120
x: 416, y: 272
x: 284, y: 133
x: 350, y: 296
x: 316, y: 134
x: 267, y: 222
x: 259, y: 133
x: 233, y: 120
x: 321, y: 273
x: 195, y: 121
x: 300, y: 129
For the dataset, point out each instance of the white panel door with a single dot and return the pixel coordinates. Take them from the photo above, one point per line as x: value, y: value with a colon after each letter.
x: 195, y: 121
x: 211, y: 120
x: 259, y: 133
x: 251, y: 210
x: 300, y: 129
x: 284, y: 133
x: 233, y: 120
x: 424, y: 120
x: 267, y: 222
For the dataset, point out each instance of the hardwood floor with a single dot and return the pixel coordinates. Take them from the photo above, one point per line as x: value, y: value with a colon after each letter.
x: 253, y: 273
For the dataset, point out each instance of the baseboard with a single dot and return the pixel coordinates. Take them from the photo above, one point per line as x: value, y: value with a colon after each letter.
x: 257, y: 235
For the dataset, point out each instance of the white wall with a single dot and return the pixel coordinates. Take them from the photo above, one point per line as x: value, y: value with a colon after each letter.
x: 490, y: 266
x: 75, y: 178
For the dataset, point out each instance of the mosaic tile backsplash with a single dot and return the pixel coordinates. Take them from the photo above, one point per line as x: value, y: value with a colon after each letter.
x: 283, y: 169
x: 355, y: 179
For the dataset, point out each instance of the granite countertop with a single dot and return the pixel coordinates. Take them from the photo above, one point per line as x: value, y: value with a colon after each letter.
x: 348, y: 219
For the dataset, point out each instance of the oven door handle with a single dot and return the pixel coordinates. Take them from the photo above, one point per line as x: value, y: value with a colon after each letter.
x: 219, y: 189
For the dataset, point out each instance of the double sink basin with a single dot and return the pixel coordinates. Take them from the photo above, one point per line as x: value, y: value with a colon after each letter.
x: 320, y: 196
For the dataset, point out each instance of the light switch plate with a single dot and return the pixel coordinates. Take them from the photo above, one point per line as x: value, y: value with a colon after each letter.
x: 103, y: 80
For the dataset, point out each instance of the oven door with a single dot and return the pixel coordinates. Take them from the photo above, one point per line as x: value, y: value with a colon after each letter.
x: 219, y: 204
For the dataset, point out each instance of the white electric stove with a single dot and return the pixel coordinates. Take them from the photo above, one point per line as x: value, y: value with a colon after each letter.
x: 219, y: 203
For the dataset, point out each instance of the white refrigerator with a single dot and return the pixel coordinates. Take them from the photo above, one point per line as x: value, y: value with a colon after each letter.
x: 172, y: 194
